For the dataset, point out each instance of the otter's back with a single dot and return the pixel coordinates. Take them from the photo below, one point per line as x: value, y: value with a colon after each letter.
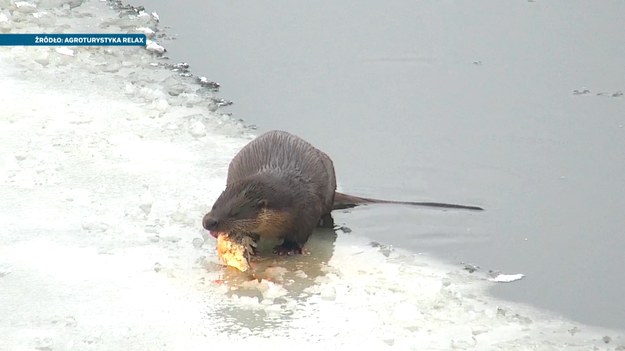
x: 289, y: 153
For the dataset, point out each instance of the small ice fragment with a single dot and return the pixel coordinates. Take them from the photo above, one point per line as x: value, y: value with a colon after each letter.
x: 98, y: 227
x: 129, y: 89
x: 152, y: 46
x: 328, y: 293
x: 471, y: 267
x: 479, y: 331
x: 501, y: 312
x: 160, y: 105
x: 146, y: 202
x: 384, y: 249
x: 151, y: 228
x: 3, y: 18
x: 44, y: 344
x: 70, y: 321
x: 4, y: 271
x: 20, y: 156
x: 301, y: 274
x: 156, y: 16
x: 178, y: 216
x: 180, y: 66
x: 248, y: 301
x: 280, y: 300
x: 504, y: 278
x: 111, y: 67
x: 198, y: 129
x: 212, y: 107
x: 273, y: 291
x: 176, y: 89
x: 25, y: 6
x: 65, y: 51
x: 197, y: 242
x: 275, y: 273
x: 42, y: 58
x: 463, y: 342
x: 147, y: 31
x: 207, y: 83
x: 172, y: 239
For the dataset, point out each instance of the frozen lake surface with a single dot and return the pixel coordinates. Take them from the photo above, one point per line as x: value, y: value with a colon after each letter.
x: 109, y: 159
x: 516, y: 106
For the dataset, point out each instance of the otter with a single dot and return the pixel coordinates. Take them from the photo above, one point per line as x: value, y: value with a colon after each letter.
x: 279, y: 186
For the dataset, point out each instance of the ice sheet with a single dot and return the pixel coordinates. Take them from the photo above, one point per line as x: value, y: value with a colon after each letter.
x: 110, y: 156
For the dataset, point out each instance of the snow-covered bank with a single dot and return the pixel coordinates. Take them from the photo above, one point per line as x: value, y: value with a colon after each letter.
x: 108, y: 161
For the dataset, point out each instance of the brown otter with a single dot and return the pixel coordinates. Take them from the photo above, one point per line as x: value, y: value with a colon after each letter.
x: 280, y: 186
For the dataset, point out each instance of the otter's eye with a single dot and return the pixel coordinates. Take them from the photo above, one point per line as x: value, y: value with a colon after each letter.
x: 261, y: 203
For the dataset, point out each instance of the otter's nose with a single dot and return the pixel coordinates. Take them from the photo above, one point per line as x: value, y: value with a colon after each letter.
x: 209, y: 223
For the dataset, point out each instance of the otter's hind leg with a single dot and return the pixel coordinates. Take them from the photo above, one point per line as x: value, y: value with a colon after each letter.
x: 326, y: 221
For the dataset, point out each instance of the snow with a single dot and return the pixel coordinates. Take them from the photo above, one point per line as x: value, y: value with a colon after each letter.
x: 108, y: 160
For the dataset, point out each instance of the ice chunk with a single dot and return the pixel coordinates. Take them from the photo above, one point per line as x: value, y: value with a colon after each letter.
x: 198, y: 129
x: 154, y: 47
x: 146, y: 201
x: 328, y: 293
x: 147, y: 31
x: 25, y: 6
x: 65, y: 51
x: 504, y: 278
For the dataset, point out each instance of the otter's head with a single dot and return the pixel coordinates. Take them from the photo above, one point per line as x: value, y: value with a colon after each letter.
x: 243, y: 207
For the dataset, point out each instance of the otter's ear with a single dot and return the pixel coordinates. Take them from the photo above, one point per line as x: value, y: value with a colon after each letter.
x: 261, y: 203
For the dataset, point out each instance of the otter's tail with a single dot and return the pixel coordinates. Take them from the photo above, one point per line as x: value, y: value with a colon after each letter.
x: 342, y: 201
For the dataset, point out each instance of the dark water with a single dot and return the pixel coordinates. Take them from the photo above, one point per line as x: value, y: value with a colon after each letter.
x: 469, y: 102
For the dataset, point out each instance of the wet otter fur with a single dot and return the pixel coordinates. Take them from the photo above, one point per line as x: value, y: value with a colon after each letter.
x: 280, y: 186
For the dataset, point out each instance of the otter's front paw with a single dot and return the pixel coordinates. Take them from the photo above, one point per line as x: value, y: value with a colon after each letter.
x: 287, y: 248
